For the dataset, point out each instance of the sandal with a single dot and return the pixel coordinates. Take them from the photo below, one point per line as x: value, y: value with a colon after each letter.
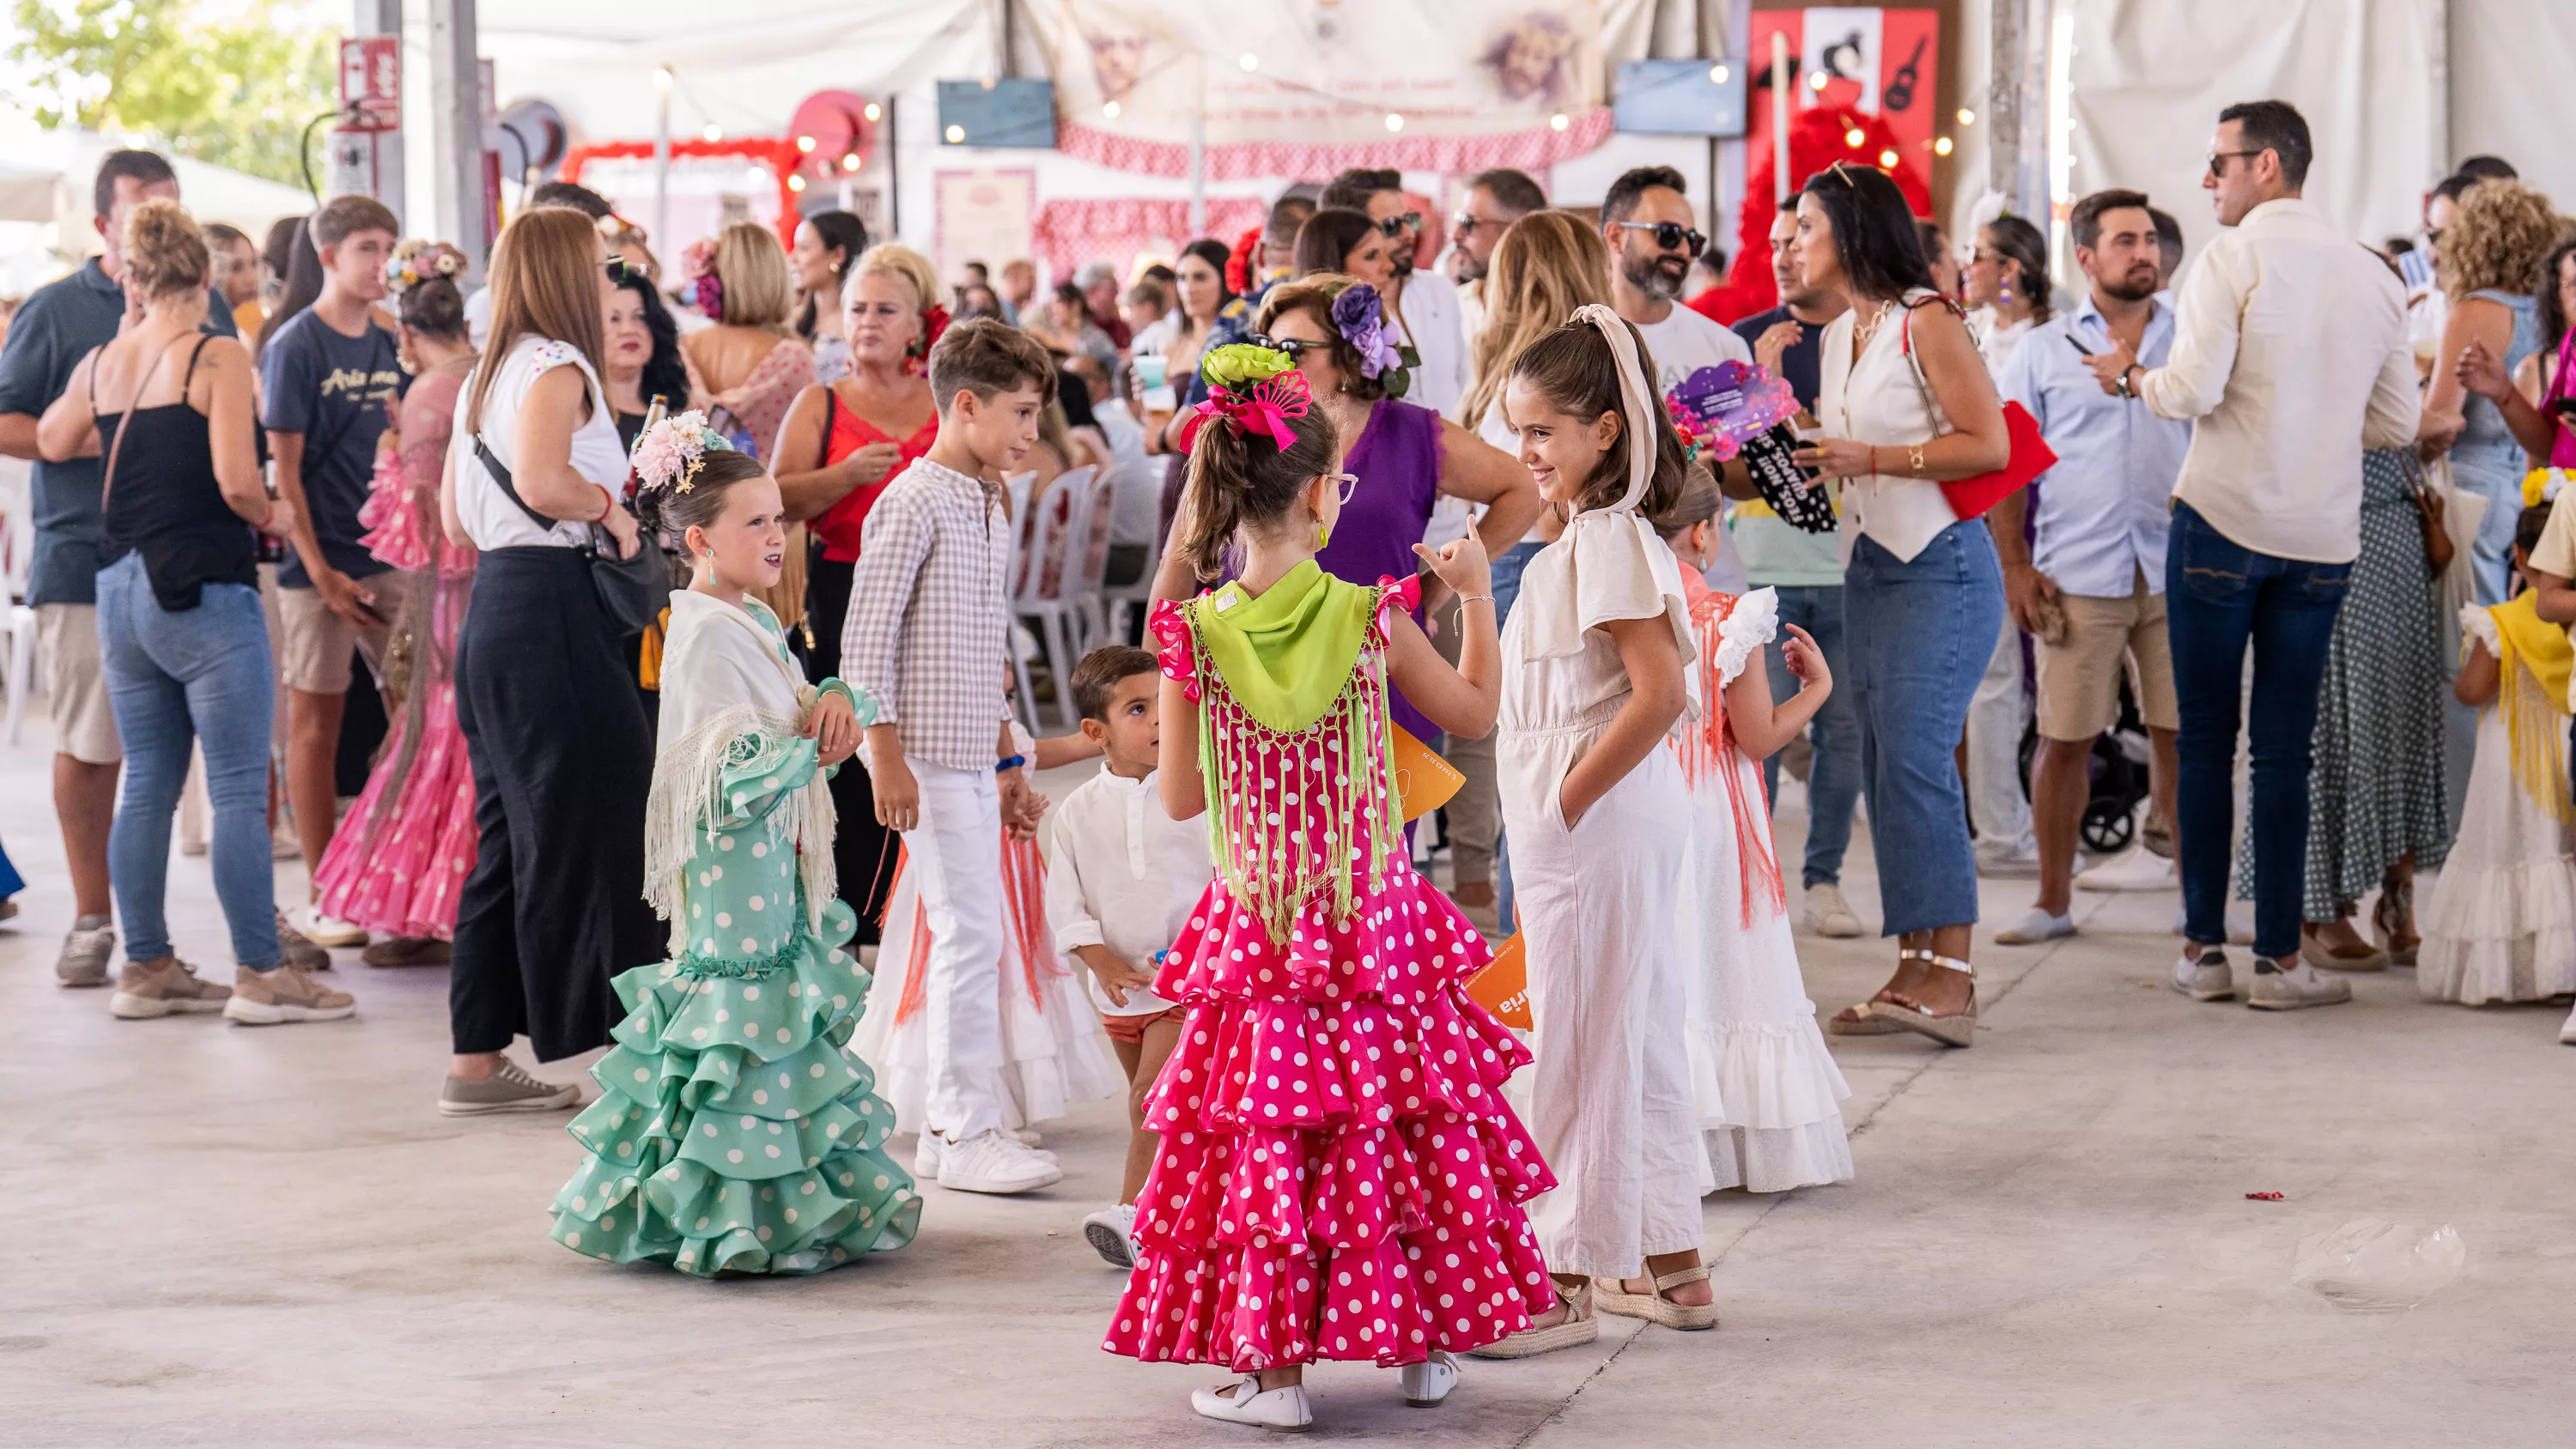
x: 2396, y: 907
x: 1863, y: 1021
x: 1579, y: 1327
x: 2363, y: 957
x: 1611, y: 1296
x: 1958, y: 1028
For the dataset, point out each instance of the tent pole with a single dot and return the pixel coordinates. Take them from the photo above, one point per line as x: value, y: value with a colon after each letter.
x: 662, y: 160
x: 456, y: 131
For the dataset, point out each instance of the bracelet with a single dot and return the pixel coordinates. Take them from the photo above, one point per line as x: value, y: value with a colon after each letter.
x: 1009, y: 762
x: 1465, y: 599
x: 1914, y: 458
x: 608, y: 503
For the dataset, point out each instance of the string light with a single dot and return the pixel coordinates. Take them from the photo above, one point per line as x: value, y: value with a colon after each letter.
x: 1110, y: 110
x: 850, y: 162
x: 875, y: 112
x: 1942, y: 147
x: 1815, y: 80
x: 1853, y: 138
x: 757, y: 174
x: 1249, y: 61
x: 795, y: 183
x: 805, y: 144
x: 713, y: 132
x: 662, y: 77
x: 1967, y: 117
x: 1394, y: 122
x: 1887, y: 157
x: 1558, y: 122
x: 1717, y: 74
x: 956, y: 135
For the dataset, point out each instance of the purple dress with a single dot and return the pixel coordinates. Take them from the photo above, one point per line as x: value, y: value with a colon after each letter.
x: 1397, y: 460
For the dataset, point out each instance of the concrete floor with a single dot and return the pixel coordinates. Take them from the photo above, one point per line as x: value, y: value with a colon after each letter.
x: 236, y: 1237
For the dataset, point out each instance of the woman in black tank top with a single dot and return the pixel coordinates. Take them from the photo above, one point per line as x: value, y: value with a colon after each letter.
x: 183, y: 641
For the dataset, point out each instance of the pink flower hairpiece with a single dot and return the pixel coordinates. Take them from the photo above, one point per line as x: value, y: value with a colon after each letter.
x: 1265, y: 407
x: 672, y: 450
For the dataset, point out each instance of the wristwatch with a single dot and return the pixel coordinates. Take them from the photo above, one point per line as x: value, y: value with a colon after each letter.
x: 2127, y: 389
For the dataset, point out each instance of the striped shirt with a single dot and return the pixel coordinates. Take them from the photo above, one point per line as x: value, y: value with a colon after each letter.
x: 929, y: 628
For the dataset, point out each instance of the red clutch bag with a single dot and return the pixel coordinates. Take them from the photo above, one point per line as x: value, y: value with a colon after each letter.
x: 2030, y: 454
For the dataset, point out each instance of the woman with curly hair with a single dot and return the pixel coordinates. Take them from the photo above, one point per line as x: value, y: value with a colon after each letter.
x: 2491, y: 270
x: 642, y: 359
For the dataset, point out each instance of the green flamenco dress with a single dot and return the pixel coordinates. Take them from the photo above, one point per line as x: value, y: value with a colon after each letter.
x: 733, y: 1133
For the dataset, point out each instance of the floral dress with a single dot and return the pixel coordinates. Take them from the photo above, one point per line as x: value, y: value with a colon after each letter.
x: 397, y: 861
x: 1340, y: 1177
x: 733, y: 1131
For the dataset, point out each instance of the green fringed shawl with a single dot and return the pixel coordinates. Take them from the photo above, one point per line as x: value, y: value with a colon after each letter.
x: 1280, y: 687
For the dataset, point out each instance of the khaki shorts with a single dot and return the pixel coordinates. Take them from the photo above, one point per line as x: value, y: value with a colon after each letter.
x: 76, y: 684
x: 314, y: 654
x: 2079, y: 680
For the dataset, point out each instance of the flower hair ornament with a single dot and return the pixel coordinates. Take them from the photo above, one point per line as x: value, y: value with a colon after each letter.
x: 415, y: 262
x: 705, y: 289
x: 672, y: 450
x: 934, y: 321
x: 1257, y: 389
x: 2542, y: 485
x: 1361, y: 319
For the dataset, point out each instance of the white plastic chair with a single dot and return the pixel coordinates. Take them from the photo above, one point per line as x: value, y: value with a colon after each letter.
x: 1047, y: 577
x: 17, y: 620
x: 1091, y: 562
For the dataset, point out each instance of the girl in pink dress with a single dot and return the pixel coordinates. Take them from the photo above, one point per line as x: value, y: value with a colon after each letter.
x: 1340, y: 1177
x: 402, y: 852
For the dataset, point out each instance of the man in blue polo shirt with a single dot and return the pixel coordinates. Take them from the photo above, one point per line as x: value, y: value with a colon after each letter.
x: 2091, y: 590
x: 53, y: 331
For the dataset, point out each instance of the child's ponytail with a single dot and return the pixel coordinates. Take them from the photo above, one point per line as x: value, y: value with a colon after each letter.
x: 1254, y: 446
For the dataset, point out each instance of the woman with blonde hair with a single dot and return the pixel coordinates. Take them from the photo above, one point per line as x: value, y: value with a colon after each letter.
x: 562, y: 753
x: 752, y: 361
x: 2490, y: 263
x: 181, y: 636
x: 842, y: 443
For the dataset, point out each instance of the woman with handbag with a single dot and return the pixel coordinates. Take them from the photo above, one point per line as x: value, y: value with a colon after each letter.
x: 2376, y: 810
x: 1907, y: 408
x: 562, y: 754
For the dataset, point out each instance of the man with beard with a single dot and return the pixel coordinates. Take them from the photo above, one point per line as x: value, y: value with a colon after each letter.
x: 1422, y: 305
x: 1495, y: 199
x: 2092, y: 597
x: 1646, y: 220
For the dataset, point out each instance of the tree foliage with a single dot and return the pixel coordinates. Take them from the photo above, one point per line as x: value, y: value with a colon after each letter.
x: 235, y: 87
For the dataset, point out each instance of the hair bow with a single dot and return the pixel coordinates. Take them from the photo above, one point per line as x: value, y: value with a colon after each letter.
x: 1264, y: 407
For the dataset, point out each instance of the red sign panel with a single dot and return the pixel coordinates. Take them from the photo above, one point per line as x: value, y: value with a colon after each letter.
x: 371, y: 83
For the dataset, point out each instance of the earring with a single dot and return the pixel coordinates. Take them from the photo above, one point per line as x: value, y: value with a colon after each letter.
x: 1323, y: 536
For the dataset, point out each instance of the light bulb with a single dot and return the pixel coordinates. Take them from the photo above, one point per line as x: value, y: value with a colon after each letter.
x: 1815, y: 80
x: 875, y: 112
x: 805, y: 144
x: 1249, y: 61
x: 1110, y: 110
x: 755, y: 174
x: 1942, y: 147
x: 713, y: 132
x: 1558, y: 122
x: 1853, y: 138
x: 795, y: 183
x: 662, y: 76
x: 956, y: 135
x: 1887, y: 157
x: 850, y: 162
x: 1394, y: 122
x: 1967, y: 117
x: 1717, y: 74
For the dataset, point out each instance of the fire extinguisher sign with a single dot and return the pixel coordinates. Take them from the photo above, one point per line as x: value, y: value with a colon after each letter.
x: 371, y: 83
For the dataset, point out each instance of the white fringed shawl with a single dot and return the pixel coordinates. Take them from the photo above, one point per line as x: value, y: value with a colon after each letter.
x: 725, y: 677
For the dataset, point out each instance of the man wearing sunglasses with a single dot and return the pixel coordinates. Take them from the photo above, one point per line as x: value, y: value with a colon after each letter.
x: 1646, y: 221
x: 1495, y: 199
x: 2289, y: 357
x: 1422, y: 305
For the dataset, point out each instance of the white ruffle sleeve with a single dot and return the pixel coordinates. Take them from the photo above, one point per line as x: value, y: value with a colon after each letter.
x: 1741, y: 634
x: 2481, y: 626
x: 1607, y: 566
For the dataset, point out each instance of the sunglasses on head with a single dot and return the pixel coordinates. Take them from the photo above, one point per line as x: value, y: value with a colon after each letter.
x: 1400, y: 223
x: 1671, y: 235
x: 1295, y: 347
x: 618, y: 269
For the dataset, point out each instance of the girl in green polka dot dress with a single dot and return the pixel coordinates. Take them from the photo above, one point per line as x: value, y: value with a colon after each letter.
x: 734, y: 1133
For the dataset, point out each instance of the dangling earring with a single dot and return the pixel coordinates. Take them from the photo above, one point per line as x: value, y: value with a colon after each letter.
x: 1323, y: 535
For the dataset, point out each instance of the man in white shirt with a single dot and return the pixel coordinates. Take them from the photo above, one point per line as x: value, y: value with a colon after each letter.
x: 1495, y: 199
x: 2289, y: 357
x: 1423, y: 305
x: 1647, y: 223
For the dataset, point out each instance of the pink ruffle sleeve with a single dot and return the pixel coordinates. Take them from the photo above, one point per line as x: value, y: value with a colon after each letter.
x: 1174, y: 646
x: 1393, y: 597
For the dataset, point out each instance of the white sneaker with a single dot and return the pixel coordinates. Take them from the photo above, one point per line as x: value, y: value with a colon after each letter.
x: 1112, y: 1231
x: 1427, y: 1383
x: 324, y: 930
x: 1283, y: 1409
x: 2034, y: 927
x: 2138, y: 869
x: 925, y: 1158
x: 2204, y: 975
x: 2279, y: 990
x: 1828, y: 914
x: 2013, y: 858
x: 994, y: 1161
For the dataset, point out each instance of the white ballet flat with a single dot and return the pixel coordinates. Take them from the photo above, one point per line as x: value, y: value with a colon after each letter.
x: 1428, y: 1383
x: 1282, y: 1410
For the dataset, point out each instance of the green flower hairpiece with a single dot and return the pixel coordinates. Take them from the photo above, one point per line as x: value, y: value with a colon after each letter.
x: 1239, y: 365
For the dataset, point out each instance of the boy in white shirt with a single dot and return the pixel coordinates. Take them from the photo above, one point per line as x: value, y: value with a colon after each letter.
x: 1121, y: 877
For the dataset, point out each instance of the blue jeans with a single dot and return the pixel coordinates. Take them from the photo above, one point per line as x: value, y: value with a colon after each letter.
x: 199, y: 674
x: 1833, y: 781
x: 1919, y: 634
x: 2218, y: 596
x: 1508, y: 567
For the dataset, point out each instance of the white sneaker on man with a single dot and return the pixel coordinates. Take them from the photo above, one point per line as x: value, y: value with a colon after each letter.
x: 2008, y: 858
x: 1112, y: 1233
x: 996, y: 1162
x: 1828, y: 914
x: 2279, y: 990
x: 324, y: 930
x: 2204, y: 975
x: 2137, y: 869
x: 2034, y: 926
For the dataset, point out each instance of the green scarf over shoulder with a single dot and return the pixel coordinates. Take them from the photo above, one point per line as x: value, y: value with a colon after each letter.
x: 1286, y: 654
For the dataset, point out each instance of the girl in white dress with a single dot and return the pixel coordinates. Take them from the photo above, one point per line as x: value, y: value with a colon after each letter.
x: 1593, y: 662
x: 1767, y: 1089
x: 1054, y: 1052
x: 2500, y: 921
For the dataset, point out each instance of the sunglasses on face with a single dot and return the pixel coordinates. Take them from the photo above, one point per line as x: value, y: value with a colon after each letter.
x: 1400, y: 223
x: 2218, y: 160
x: 1295, y: 347
x: 1670, y: 235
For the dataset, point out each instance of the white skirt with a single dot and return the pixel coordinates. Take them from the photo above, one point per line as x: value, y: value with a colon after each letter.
x: 2499, y: 923
x: 1054, y: 1052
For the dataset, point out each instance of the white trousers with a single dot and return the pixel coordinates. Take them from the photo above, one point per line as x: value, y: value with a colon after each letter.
x: 953, y: 852
x: 1996, y: 718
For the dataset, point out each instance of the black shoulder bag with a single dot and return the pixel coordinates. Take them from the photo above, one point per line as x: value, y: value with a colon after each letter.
x: 632, y: 591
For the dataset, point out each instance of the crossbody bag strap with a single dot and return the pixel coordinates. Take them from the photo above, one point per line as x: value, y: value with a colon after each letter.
x: 500, y: 473
x: 107, y: 475
x: 1922, y: 385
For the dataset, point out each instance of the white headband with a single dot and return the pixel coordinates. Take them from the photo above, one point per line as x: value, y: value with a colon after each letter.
x: 1638, y: 400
